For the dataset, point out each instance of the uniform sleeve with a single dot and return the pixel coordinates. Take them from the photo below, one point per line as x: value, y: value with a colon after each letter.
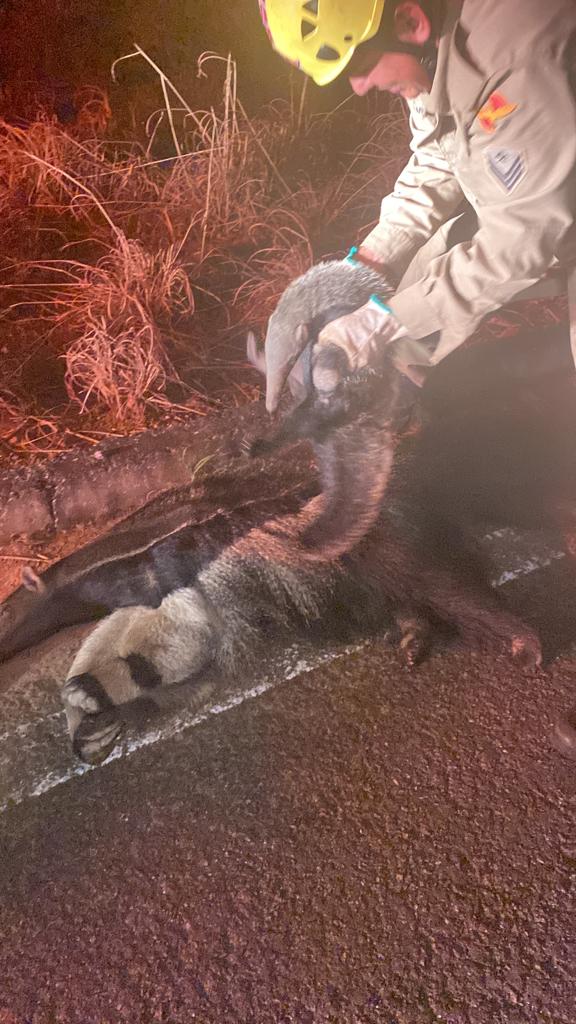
x: 425, y: 196
x: 525, y: 184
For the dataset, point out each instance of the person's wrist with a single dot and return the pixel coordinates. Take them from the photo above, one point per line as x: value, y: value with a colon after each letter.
x: 391, y: 328
x: 360, y: 255
x: 376, y: 302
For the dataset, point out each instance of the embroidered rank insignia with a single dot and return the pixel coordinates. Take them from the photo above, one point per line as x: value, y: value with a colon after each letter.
x: 494, y: 111
x: 507, y: 166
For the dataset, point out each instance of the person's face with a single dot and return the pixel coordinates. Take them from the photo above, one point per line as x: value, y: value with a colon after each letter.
x: 398, y: 73
x: 390, y: 71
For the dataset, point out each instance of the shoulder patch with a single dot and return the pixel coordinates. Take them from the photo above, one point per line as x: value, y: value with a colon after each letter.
x: 507, y: 166
x: 495, y: 110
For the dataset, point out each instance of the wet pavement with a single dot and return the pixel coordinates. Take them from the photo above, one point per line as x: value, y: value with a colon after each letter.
x: 360, y: 844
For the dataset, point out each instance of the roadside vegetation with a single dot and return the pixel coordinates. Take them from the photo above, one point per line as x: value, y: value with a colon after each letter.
x: 130, y: 271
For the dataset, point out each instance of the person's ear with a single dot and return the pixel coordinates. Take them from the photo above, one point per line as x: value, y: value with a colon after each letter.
x: 412, y: 24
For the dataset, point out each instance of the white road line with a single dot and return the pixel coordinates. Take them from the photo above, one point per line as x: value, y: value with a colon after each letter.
x: 528, y: 567
x: 179, y: 721
x: 297, y: 660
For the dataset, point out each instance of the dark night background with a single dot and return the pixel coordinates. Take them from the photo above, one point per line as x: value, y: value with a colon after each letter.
x: 67, y: 43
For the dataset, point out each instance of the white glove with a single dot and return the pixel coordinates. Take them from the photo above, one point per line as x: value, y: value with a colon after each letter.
x: 360, y: 334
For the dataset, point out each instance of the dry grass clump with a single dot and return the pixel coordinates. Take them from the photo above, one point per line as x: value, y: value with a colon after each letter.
x: 129, y: 271
x: 116, y: 364
x: 116, y: 310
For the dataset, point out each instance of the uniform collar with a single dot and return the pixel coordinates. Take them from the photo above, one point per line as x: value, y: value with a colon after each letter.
x: 458, y: 82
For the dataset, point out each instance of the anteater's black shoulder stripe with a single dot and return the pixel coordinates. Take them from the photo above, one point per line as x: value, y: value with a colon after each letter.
x: 93, y: 688
x: 143, y: 672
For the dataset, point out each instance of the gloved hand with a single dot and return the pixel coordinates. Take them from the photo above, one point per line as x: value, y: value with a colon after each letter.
x: 362, y: 333
x: 323, y: 293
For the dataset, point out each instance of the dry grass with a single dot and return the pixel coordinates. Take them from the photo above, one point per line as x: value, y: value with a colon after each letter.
x: 130, y: 270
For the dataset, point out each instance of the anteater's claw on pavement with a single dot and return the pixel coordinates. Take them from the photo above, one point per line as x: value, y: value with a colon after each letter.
x: 527, y: 651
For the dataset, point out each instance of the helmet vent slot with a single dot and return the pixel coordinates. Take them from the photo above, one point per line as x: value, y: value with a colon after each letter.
x: 306, y: 28
x: 327, y: 53
x: 311, y: 6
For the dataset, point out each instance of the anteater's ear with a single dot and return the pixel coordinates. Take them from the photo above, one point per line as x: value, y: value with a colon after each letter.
x: 302, y: 336
x: 257, y: 358
x: 32, y: 581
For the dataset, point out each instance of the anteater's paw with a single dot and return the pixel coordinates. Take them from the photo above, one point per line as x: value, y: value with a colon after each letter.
x: 86, y: 693
x: 414, y: 638
x: 96, y: 736
x: 414, y: 649
x: 92, y: 718
x: 527, y: 651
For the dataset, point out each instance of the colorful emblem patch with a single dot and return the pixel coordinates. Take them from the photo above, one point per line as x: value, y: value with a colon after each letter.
x: 507, y: 166
x: 495, y: 110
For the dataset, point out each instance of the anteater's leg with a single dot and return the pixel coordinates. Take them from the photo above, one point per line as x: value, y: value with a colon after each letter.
x: 476, y: 610
x: 126, y: 658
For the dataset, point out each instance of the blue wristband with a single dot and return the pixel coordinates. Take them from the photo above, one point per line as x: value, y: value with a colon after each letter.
x: 378, y: 301
x: 351, y: 257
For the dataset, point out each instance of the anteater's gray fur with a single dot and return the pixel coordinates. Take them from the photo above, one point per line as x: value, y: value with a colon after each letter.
x: 326, y: 291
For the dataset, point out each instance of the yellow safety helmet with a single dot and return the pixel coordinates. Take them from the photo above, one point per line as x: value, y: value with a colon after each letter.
x: 320, y: 36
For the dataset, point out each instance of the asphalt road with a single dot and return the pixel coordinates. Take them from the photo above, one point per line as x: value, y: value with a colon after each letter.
x: 360, y: 844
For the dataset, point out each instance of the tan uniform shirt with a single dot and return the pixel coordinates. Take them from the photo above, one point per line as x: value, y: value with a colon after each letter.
x: 499, y: 130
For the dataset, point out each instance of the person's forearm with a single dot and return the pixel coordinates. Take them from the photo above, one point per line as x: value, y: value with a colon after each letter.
x: 526, y: 214
x: 425, y: 196
x: 475, y: 278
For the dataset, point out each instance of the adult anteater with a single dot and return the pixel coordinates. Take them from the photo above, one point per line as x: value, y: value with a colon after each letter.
x: 203, y: 575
